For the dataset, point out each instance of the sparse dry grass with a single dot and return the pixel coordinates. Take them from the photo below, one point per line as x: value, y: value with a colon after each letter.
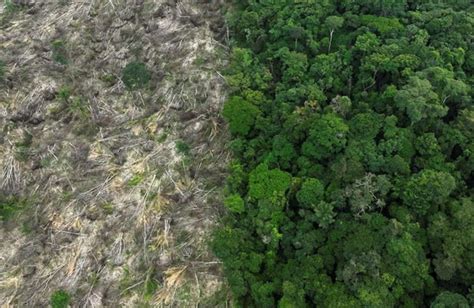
x: 94, y: 235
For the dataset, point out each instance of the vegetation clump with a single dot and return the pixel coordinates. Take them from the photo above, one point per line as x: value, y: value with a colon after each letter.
x: 60, y: 299
x: 182, y: 147
x: 59, y: 52
x: 135, y: 75
x: 352, y: 125
x: 9, y: 9
x: 9, y: 206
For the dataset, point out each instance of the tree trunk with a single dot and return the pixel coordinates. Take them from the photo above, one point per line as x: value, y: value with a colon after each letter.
x: 330, y: 40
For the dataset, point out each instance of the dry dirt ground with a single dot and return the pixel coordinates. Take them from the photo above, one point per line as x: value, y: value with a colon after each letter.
x: 120, y: 189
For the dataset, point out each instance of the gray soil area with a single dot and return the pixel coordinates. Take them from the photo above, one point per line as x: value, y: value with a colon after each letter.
x: 117, y: 188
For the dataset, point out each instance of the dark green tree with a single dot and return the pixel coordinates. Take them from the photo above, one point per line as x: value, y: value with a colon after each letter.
x: 328, y: 136
x: 241, y: 115
x: 426, y: 189
x: 448, y: 299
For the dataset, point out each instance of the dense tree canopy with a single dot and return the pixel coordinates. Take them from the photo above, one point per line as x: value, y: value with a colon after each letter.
x: 353, y: 128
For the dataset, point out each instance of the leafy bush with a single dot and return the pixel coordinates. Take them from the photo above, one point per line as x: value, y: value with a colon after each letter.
x: 10, y: 6
x: 64, y: 93
x: 9, y: 206
x: 59, y: 52
x: 60, y: 299
x: 182, y: 147
x: 135, y: 75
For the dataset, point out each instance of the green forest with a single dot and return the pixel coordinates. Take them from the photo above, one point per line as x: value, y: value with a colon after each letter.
x: 352, y: 129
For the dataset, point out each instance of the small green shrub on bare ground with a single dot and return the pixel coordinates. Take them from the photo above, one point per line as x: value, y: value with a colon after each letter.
x: 9, y: 207
x: 10, y: 7
x: 182, y: 147
x: 9, y: 10
x: 59, y: 52
x: 135, y: 75
x: 60, y: 299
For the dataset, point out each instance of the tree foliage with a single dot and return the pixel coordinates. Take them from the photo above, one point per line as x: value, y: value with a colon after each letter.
x: 241, y: 115
x: 353, y: 129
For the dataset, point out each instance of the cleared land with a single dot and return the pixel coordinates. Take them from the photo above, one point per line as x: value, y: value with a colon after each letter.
x: 113, y: 192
